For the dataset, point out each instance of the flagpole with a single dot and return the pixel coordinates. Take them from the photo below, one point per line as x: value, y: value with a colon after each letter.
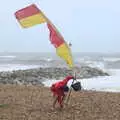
x: 74, y: 73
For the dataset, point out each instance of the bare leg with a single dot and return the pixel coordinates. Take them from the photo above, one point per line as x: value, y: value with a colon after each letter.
x: 62, y: 101
x: 55, y: 100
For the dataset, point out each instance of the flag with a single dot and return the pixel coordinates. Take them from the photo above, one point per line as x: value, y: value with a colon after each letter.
x: 30, y: 16
x: 62, y: 49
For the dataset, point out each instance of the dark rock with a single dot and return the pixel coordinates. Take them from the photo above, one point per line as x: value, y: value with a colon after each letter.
x: 36, y: 76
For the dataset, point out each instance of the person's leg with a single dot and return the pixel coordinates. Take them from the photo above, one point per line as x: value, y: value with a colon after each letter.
x: 55, y: 101
x: 61, y: 100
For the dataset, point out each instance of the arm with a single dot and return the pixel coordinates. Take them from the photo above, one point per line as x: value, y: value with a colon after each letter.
x: 67, y: 79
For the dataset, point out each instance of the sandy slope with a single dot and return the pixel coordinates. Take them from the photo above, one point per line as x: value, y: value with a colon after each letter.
x: 34, y: 103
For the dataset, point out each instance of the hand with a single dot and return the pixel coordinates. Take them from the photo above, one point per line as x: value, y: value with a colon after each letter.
x: 74, y: 78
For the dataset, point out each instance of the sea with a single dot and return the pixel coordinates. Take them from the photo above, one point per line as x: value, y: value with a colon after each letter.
x: 108, y: 62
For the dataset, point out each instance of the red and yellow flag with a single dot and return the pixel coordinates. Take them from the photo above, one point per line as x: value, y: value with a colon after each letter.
x: 62, y: 49
x: 30, y: 16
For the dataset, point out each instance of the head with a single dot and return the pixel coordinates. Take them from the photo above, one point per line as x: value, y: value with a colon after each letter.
x: 66, y: 88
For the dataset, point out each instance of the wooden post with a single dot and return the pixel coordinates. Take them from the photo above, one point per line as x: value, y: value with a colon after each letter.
x: 67, y: 100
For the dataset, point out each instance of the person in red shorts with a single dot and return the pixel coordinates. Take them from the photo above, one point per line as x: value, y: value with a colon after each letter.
x: 58, y: 89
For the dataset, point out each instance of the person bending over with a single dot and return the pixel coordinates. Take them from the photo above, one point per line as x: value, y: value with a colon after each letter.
x: 58, y: 89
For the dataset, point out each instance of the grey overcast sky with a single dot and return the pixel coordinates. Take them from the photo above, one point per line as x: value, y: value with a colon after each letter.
x: 90, y: 25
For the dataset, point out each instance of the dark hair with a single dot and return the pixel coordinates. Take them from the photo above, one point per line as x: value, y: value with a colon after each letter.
x: 66, y: 88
